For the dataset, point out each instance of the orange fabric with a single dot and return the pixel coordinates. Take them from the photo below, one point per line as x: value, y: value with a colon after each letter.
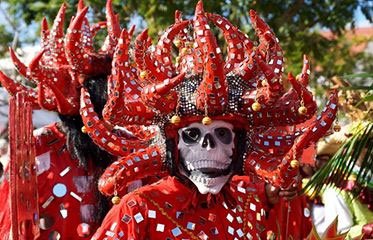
x: 299, y: 219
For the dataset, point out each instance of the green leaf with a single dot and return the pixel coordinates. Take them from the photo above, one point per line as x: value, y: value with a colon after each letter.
x: 357, y: 75
x: 356, y: 150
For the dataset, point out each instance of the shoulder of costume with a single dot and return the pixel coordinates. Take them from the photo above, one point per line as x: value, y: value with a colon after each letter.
x: 48, y: 135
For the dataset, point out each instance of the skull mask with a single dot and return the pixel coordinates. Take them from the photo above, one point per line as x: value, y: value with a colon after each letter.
x: 206, y: 154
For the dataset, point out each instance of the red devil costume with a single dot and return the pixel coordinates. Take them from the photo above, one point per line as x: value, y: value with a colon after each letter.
x: 65, y: 203
x: 220, y: 129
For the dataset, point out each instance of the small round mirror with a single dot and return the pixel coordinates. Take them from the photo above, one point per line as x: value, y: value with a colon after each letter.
x: 59, y: 190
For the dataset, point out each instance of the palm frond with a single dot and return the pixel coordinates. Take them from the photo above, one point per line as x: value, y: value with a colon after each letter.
x: 357, y: 149
x: 358, y: 75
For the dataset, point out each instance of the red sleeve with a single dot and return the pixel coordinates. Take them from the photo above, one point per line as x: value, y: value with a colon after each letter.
x: 127, y: 220
x: 5, y: 218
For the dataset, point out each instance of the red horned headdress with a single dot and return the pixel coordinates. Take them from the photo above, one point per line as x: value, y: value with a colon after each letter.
x: 66, y: 61
x: 59, y: 68
x: 245, y: 89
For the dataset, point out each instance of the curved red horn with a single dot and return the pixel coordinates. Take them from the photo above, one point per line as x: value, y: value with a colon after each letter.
x: 57, y: 28
x: 14, y: 87
x: 314, y: 132
x: 56, y: 38
x: 160, y: 95
x: 305, y: 75
x: 284, y: 175
x: 21, y: 68
x: 143, y: 60
x: 321, y: 125
x: 178, y: 16
x: 56, y: 81
x: 44, y: 32
x: 131, y: 31
x: 247, y: 70
x: 269, y: 55
x: 274, y: 142
x: 237, y: 43
x: 125, y: 89
x: 113, y: 28
x: 79, y: 49
x: 112, y: 21
x: 135, y: 166
x: 78, y: 58
x: 81, y: 5
x: 303, y: 93
x: 100, y: 134
x: 212, y: 91
x: 35, y: 71
x: 284, y: 111
x: 164, y: 48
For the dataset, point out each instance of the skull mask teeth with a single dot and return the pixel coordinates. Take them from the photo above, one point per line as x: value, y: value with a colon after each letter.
x: 206, y: 154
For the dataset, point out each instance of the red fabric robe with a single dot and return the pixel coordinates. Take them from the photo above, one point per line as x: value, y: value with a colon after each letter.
x: 69, y: 210
x: 295, y: 224
x: 169, y: 209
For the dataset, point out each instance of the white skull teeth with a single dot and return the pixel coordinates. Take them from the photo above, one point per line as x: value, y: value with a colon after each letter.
x: 206, y: 154
x: 191, y: 166
x: 204, y: 180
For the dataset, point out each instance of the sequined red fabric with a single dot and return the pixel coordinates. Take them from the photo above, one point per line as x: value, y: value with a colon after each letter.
x: 67, y: 202
x: 170, y: 210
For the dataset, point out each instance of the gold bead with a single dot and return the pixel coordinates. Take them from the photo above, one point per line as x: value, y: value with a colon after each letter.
x: 294, y: 163
x: 337, y: 128
x: 256, y: 106
x: 183, y: 51
x: 84, y: 129
x: 264, y: 83
x: 177, y: 42
x: 177, y: 59
x: 175, y: 120
x: 189, y: 44
x: 143, y: 74
x: 206, y: 121
x: 115, y: 200
x: 302, y: 110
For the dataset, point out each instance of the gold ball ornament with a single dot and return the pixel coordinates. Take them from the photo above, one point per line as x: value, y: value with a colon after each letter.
x: 115, y: 200
x: 175, y: 120
x: 143, y: 74
x: 302, y: 110
x: 294, y: 163
x: 206, y: 120
x: 177, y: 43
x: 256, y: 106
x: 177, y: 59
x: 184, y: 51
x: 337, y: 128
x: 84, y: 129
x: 189, y: 44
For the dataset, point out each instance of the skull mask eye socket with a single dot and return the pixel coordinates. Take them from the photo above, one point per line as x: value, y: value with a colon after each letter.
x: 191, y: 135
x: 224, y: 135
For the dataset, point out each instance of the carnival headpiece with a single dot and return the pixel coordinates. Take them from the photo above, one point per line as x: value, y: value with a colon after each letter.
x: 66, y: 61
x: 245, y: 89
x: 59, y: 69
